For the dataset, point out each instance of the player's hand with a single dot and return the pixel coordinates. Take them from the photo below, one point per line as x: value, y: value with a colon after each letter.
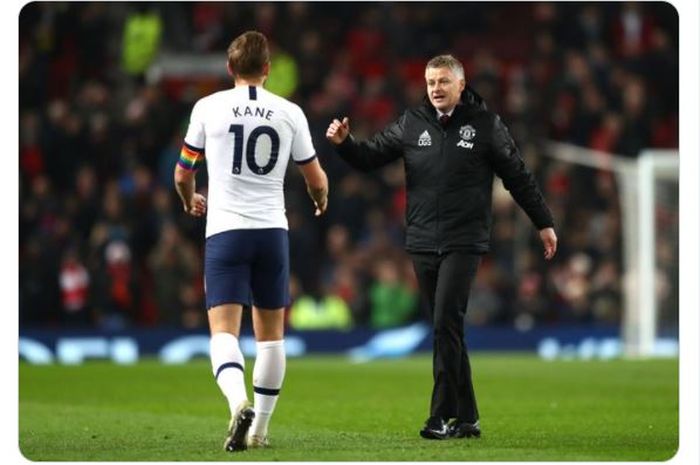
x: 337, y: 131
x: 549, y: 240
x: 197, y: 206
x: 321, y: 207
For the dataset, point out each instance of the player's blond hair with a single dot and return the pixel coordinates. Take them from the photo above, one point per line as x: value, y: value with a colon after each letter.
x: 447, y: 61
x: 248, y: 54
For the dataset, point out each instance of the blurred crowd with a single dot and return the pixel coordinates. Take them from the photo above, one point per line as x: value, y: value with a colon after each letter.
x: 103, y: 238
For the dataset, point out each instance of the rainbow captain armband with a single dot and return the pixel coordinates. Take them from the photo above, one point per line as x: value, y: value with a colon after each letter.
x: 190, y: 157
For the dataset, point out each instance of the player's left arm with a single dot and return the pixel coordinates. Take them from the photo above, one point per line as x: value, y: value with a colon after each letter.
x: 304, y: 156
x: 316, y: 184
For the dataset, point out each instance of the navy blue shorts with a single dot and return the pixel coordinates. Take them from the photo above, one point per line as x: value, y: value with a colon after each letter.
x: 247, y: 266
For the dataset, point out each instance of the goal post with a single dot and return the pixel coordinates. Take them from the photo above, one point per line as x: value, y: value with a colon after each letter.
x: 647, y: 186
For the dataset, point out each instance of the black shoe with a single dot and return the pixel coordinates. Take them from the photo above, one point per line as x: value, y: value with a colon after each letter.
x: 435, y: 428
x: 464, y: 429
x: 237, y: 436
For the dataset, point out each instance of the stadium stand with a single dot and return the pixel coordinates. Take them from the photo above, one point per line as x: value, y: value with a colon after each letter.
x: 104, y: 242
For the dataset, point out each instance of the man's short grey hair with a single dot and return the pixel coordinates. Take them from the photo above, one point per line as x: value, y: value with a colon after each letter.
x: 447, y: 61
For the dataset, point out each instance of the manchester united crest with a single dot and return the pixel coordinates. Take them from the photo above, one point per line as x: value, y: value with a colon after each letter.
x: 467, y: 132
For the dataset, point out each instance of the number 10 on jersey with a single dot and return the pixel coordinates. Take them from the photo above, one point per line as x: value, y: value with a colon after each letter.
x: 237, y: 130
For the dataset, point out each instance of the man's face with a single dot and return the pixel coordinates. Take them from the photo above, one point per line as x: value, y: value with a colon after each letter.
x: 444, y: 88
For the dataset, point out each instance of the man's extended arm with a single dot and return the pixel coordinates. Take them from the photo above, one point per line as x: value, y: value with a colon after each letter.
x: 383, y: 148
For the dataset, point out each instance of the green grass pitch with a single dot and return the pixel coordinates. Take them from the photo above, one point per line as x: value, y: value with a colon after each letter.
x: 332, y: 410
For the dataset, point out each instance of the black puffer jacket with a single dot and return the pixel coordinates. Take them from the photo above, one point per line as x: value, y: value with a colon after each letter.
x: 449, y: 173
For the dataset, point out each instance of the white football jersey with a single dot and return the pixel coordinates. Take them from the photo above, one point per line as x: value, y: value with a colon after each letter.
x: 247, y: 135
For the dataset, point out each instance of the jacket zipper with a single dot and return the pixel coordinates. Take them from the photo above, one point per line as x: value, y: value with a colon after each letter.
x: 437, y: 210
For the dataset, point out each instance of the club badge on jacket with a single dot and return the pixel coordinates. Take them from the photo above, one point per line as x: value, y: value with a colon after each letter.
x: 467, y: 133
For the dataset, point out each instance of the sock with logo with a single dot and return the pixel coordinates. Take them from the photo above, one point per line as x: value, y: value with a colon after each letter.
x: 228, y: 366
x: 268, y: 374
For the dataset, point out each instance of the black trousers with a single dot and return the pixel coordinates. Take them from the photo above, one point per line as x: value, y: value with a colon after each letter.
x: 445, y: 281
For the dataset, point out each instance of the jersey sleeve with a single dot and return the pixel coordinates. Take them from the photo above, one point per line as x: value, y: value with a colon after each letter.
x: 302, y: 146
x: 192, y: 152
